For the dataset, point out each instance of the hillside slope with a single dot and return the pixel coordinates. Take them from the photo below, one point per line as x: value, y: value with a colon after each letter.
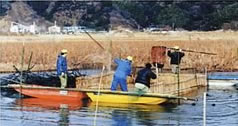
x: 202, y: 15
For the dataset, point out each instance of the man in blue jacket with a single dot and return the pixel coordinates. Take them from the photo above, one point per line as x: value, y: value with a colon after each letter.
x: 123, y: 70
x: 62, y: 68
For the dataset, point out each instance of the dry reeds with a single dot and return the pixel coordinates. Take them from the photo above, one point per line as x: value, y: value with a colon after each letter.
x: 83, y: 50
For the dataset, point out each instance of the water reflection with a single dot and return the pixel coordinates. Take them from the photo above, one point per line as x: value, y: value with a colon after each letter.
x: 145, y: 118
x: 64, y: 116
x: 121, y: 118
x: 222, y: 110
x: 126, y: 114
x: 63, y: 108
x: 49, y: 104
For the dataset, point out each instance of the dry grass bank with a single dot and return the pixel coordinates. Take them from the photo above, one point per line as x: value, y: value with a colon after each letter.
x: 82, y: 49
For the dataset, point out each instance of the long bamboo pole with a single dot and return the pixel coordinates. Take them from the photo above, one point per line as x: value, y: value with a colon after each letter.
x: 95, y: 40
x: 108, y: 51
x: 186, y: 50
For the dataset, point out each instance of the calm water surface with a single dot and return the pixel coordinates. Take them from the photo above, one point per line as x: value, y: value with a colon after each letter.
x: 222, y: 110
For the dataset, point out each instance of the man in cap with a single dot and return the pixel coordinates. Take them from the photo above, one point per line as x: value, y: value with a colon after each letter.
x: 175, y: 58
x: 62, y: 68
x: 123, y: 70
x: 143, y: 79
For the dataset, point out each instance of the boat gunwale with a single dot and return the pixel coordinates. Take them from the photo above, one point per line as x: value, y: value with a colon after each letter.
x: 168, y: 96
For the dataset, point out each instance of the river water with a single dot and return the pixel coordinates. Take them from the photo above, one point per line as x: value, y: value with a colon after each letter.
x: 222, y: 110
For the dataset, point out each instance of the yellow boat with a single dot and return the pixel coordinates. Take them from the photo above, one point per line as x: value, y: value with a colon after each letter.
x: 106, y: 96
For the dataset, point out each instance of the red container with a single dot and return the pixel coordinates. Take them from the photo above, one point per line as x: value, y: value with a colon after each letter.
x: 158, y: 55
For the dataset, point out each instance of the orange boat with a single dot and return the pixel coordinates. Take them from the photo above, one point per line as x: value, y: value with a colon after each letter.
x: 50, y: 93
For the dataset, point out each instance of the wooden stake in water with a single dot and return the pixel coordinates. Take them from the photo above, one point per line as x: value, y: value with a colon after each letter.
x: 99, y: 87
x: 237, y: 52
x: 178, y: 83
x: 206, y: 78
x: 22, y: 62
x: 204, y: 108
x: 157, y: 83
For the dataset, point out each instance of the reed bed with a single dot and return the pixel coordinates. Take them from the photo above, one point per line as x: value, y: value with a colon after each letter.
x: 82, y: 50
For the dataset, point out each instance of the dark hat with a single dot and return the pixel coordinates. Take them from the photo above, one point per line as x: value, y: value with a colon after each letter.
x: 148, y: 65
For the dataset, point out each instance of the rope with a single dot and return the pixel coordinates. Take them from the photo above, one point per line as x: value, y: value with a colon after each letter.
x: 99, y: 86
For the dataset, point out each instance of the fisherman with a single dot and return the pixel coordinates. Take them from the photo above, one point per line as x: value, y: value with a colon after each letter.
x: 143, y: 78
x: 175, y: 58
x: 123, y: 70
x: 62, y: 68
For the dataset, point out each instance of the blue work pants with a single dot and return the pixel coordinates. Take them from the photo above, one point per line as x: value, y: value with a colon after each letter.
x: 121, y: 81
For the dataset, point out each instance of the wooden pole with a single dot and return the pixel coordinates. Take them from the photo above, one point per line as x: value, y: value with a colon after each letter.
x: 22, y: 62
x: 178, y: 84
x: 237, y: 52
x: 0, y: 62
x: 186, y: 50
x: 109, y: 53
x: 1, y: 51
x: 157, y: 74
x: 195, y: 73
x: 29, y: 62
x: 178, y: 72
x: 204, y: 108
x: 94, y: 40
x: 98, y: 93
x: 206, y: 78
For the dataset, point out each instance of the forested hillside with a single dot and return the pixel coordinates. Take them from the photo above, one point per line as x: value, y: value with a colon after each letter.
x: 199, y: 15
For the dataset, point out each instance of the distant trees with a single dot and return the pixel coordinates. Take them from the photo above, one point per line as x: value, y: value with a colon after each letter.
x: 136, y: 11
x: 228, y: 14
x: 187, y: 15
x: 172, y: 16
